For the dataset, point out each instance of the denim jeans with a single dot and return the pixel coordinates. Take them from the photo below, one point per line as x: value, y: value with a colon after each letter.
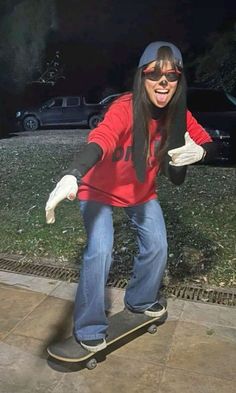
x: 90, y: 321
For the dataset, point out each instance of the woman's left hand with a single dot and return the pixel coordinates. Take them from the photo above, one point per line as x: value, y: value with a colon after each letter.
x: 188, y: 154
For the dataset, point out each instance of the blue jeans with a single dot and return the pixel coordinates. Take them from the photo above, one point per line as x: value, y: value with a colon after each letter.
x: 90, y: 321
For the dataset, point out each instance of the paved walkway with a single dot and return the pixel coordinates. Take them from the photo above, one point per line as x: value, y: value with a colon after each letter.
x: 193, y: 352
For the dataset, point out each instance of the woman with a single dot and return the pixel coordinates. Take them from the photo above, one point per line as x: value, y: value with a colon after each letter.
x: 143, y: 133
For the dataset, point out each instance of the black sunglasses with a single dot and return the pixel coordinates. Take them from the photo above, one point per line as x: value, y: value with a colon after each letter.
x: 155, y: 75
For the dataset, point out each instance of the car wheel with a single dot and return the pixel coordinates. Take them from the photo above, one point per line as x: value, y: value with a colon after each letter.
x: 94, y: 120
x: 30, y: 123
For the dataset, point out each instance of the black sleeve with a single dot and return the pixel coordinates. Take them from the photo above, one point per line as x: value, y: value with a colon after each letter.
x: 84, y: 160
x: 212, y: 150
x: 176, y: 174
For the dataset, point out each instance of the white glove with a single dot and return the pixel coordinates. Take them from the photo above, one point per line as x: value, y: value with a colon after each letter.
x: 67, y: 187
x: 188, y: 154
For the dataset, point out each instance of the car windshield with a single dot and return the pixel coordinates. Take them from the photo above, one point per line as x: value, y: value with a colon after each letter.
x: 231, y: 98
x: 106, y: 100
x: 47, y: 104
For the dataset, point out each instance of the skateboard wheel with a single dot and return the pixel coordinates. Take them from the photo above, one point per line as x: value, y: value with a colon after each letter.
x: 152, y: 329
x: 91, y: 364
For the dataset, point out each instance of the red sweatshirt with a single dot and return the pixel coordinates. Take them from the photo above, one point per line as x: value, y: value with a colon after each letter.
x: 113, y: 179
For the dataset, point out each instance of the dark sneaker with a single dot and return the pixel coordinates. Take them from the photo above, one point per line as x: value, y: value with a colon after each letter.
x: 94, y: 345
x: 156, y: 310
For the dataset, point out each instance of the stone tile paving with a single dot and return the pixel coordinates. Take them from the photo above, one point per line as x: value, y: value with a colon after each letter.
x: 194, y: 351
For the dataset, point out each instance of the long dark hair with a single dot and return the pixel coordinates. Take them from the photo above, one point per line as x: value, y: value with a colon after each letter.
x: 172, y: 121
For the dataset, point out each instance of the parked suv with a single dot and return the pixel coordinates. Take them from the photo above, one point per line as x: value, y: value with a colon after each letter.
x: 70, y: 110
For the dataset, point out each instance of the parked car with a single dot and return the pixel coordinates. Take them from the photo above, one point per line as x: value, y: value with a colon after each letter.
x: 60, y: 111
x: 216, y: 112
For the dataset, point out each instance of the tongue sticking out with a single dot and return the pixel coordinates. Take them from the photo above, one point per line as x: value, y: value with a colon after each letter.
x: 161, y: 97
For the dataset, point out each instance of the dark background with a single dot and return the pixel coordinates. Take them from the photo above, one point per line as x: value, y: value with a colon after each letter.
x: 108, y: 37
x: 98, y: 44
x: 101, y: 42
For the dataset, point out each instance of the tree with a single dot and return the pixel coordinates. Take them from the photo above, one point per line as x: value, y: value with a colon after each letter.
x: 24, y: 28
x: 217, y: 67
x: 52, y: 72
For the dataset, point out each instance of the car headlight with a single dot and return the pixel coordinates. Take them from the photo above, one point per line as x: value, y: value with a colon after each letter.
x: 18, y: 114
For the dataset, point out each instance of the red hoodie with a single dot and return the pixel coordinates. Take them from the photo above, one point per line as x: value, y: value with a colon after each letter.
x: 113, y: 179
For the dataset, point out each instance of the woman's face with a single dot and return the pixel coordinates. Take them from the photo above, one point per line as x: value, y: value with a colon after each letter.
x: 160, y: 92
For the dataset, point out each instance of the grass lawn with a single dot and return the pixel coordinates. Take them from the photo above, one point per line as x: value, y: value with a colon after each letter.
x: 200, y: 215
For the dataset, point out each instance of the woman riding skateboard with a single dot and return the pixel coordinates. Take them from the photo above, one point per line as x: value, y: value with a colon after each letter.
x: 145, y: 132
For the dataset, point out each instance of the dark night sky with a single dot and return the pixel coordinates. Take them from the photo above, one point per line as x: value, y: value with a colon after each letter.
x: 108, y: 21
x: 101, y: 41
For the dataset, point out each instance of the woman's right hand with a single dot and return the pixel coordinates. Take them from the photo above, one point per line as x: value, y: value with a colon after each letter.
x: 188, y: 154
x: 67, y: 187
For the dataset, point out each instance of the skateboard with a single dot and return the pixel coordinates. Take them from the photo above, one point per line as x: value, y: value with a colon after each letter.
x: 121, y: 325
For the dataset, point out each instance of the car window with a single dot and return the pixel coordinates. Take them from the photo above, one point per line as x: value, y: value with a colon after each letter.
x: 56, y: 102
x: 208, y: 101
x: 72, y: 101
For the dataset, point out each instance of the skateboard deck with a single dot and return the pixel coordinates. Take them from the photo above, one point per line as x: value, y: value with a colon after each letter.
x: 120, y: 325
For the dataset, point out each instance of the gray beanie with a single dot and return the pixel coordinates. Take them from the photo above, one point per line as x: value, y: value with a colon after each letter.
x: 150, y: 53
